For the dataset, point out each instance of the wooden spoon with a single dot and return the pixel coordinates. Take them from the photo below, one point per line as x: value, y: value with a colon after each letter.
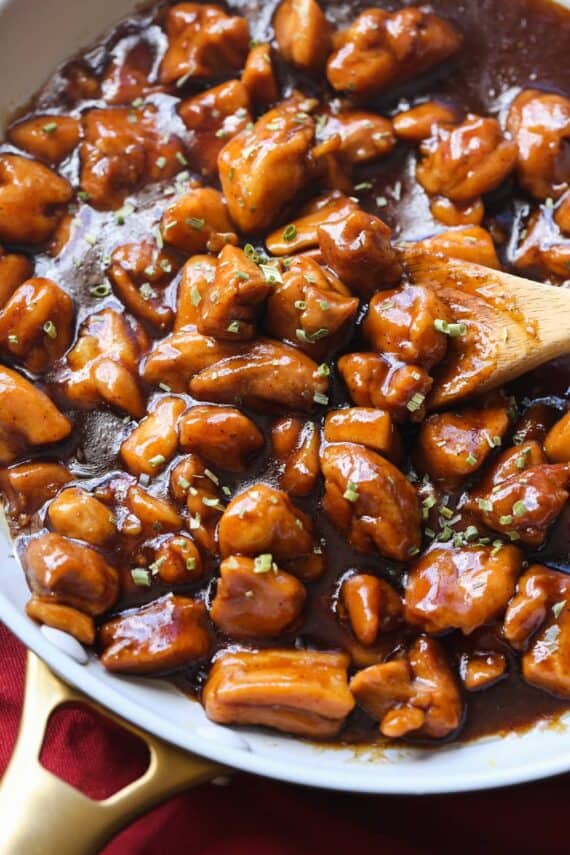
x: 512, y: 324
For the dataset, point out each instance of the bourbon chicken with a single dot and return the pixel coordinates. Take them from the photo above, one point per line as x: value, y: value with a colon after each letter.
x: 221, y: 459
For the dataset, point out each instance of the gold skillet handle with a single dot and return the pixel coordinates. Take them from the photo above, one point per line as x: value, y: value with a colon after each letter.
x: 42, y: 815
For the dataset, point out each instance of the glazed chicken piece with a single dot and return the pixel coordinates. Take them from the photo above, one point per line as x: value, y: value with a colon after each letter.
x: 203, y: 41
x: 77, y: 514
x: 14, y: 270
x: 140, y: 273
x: 262, y: 520
x: 268, y: 375
x: 255, y: 599
x: 258, y: 76
x: 296, y: 446
x: 297, y: 691
x: 102, y: 367
x: 213, y: 117
x: 416, y: 694
x: 466, y: 161
x: 358, y: 250
x: 370, y: 501
x: 372, y: 606
x: 176, y: 359
x: 365, y: 137
x: 154, y: 441
x: 557, y: 442
x: 539, y: 123
x: 538, y: 616
x: 525, y: 504
x: 70, y: 574
x: 472, y: 244
x: 562, y: 213
x: 223, y: 436
x: 482, y: 670
x: 28, y: 486
x: 455, y: 214
x: 123, y: 149
x: 302, y: 233
x: 381, y: 50
x: 420, y: 122
x: 262, y: 169
x: 303, y: 34
x: 129, y: 74
x: 405, y: 322
x: 386, y: 384
x: 229, y: 304
x: 198, y: 221
x: 48, y: 138
x: 154, y: 515
x: 460, y: 587
x: 32, y: 200
x: 197, y: 274
x: 543, y: 251
x: 28, y: 418
x: 66, y: 619
x: 177, y: 560
x: 169, y: 633
x: 197, y: 487
x: 309, y: 308
x: 36, y: 324
x: 366, y: 426
x: 451, y: 446
x: 512, y: 461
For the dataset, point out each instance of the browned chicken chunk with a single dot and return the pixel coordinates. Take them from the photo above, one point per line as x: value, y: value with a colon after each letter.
x: 370, y: 500
x: 296, y: 445
x: 358, y: 250
x: 540, y: 126
x: 203, y: 41
x: 223, y: 436
x: 303, y: 34
x: 417, y: 694
x: 557, y: 442
x: 539, y: 617
x: 405, y: 322
x: 197, y: 221
x: 70, y: 574
x: 28, y: 486
x: 155, y: 440
x: 254, y: 598
x: 367, y: 426
x: 31, y: 200
x: 298, y: 691
x: 268, y: 375
x: 465, y: 161
x: 258, y: 76
x: 452, y: 446
x: 77, y: 514
x: 162, y: 636
x: 380, y: 49
x: 365, y: 137
x: 372, y: 606
x: 482, y: 670
x: 49, y: 138
x: 420, y: 122
x: 14, y: 270
x: 461, y: 587
x: 27, y: 417
x: 64, y: 618
x: 213, y: 117
x: 36, y: 324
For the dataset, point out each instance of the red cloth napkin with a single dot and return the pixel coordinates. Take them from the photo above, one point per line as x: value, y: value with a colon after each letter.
x: 255, y: 816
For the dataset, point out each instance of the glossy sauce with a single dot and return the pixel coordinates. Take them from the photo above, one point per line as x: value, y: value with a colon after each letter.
x: 504, y: 49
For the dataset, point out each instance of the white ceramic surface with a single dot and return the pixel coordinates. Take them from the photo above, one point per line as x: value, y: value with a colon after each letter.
x: 34, y: 37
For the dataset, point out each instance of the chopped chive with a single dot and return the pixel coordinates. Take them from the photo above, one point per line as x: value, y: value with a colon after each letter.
x: 320, y: 398
x: 471, y: 459
x: 241, y: 274
x: 212, y: 476
x: 50, y: 329
x: 351, y: 493
x: 446, y: 512
x: 301, y: 305
x: 165, y: 387
x: 141, y: 577
x: 415, y: 402
x: 289, y: 233
x: 190, y: 563
x: 196, y: 222
x: 519, y: 509
x: 485, y: 504
x: 325, y: 305
x: 102, y: 290
x: 212, y: 503
x: 13, y: 339
x: 157, y: 460
x: 558, y: 608
x: 263, y: 563
x: 452, y: 330
x: 323, y: 370
x: 471, y: 532
x: 181, y: 159
x: 50, y: 128
x: 195, y: 296
x: 184, y: 483
x: 83, y: 195
x: 161, y: 162
x: 505, y: 519
x: 147, y: 292
x: 233, y: 327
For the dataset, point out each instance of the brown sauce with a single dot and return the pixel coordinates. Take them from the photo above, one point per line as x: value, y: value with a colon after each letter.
x: 507, y: 45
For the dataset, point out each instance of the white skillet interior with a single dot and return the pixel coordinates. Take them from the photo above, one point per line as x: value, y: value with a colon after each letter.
x: 34, y: 38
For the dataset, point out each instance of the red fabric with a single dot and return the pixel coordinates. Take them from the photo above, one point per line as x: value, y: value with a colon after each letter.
x: 254, y: 816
